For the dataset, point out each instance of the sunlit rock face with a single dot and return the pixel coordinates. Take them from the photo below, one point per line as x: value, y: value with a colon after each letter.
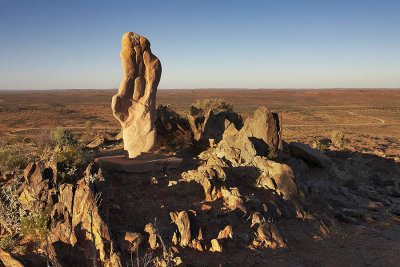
x: 134, y: 104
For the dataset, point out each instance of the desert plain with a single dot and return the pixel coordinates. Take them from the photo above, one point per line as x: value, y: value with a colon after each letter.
x: 369, y: 120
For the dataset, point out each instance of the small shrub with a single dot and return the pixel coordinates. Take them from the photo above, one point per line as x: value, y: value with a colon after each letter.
x: 62, y: 137
x: 71, y: 156
x: 11, y: 160
x: 16, y: 140
x: 70, y: 162
x: 6, y: 242
x: 12, y: 210
x: 338, y: 139
x: 36, y: 225
x: 202, y: 107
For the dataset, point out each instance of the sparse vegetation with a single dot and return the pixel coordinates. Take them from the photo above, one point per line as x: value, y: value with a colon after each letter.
x: 320, y: 146
x: 62, y: 137
x: 71, y: 156
x: 70, y: 161
x: 203, y: 106
x: 11, y: 160
x: 11, y: 211
x: 36, y: 225
x: 6, y: 242
x: 338, y: 139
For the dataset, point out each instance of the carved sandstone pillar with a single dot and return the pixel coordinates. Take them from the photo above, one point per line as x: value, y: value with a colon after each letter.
x: 134, y: 104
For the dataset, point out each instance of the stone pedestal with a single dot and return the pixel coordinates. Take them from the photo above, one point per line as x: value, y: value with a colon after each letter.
x: 147, y: 163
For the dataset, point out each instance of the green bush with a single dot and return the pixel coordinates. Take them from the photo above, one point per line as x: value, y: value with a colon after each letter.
x: 71, y: 156
x: 338, y: 139
x: 71, y: 161
x: 62, y: 137
x: 203, y: 106
x: 11, y: 160
x: 36, y: 225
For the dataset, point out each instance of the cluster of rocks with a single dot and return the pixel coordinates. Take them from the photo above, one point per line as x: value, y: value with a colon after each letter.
x: 78, y: 225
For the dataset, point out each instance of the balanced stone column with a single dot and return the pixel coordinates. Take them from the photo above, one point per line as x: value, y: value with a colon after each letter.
x: 134, y: 104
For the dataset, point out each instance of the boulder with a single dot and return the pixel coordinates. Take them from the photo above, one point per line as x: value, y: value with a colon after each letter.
x: 277, y: 176
x: 309, y: 154
x: 213, y: 124
x: 259, y: 136
x: 226, y: 233
x: 232, y: 199
x: 264, y: 125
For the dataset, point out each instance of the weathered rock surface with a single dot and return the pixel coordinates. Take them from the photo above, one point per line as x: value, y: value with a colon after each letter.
x: 152, y: 231
x: 134, y: 104
x: 213, y: 125
x: 79, y: 234
x: 181, y: 219
x: 277, y: 176
x: 173, y: 131
x: 264, y: 125
x: 260, y: 136
x: 309, y: 154
x: 8, y: 260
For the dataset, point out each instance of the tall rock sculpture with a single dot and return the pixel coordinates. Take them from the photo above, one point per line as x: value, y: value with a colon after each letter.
x: 134, y: 104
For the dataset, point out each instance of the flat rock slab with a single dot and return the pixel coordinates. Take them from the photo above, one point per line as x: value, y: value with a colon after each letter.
x: 309, y: 154
x: 142, y: 165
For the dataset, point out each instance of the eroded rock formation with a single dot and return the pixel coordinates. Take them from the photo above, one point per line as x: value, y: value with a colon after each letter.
x: 134, y: 104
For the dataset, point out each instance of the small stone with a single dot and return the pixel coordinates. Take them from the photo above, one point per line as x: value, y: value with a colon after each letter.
x: 149, y: 228
x: 181, y: 219
x: 226, y: 233
x: 215, y: 246
x: 172, y: 183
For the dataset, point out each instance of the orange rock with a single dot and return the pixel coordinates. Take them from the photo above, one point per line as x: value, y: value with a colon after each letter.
x: 134, y: 104
x: 215, y: 246
x: 226, y: 233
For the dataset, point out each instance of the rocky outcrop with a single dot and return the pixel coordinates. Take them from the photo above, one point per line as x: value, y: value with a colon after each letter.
x: 77, y: 218
x: 8, y: 260
x: 134, y: 104
x: 260, y: 136
x: 212, y: 125
x: 173, y: 131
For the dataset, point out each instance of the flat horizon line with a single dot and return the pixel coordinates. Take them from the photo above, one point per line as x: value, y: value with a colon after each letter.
x: 210, y: 88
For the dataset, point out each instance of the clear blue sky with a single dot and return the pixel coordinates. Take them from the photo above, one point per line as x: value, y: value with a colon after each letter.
x: 202, y: 44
